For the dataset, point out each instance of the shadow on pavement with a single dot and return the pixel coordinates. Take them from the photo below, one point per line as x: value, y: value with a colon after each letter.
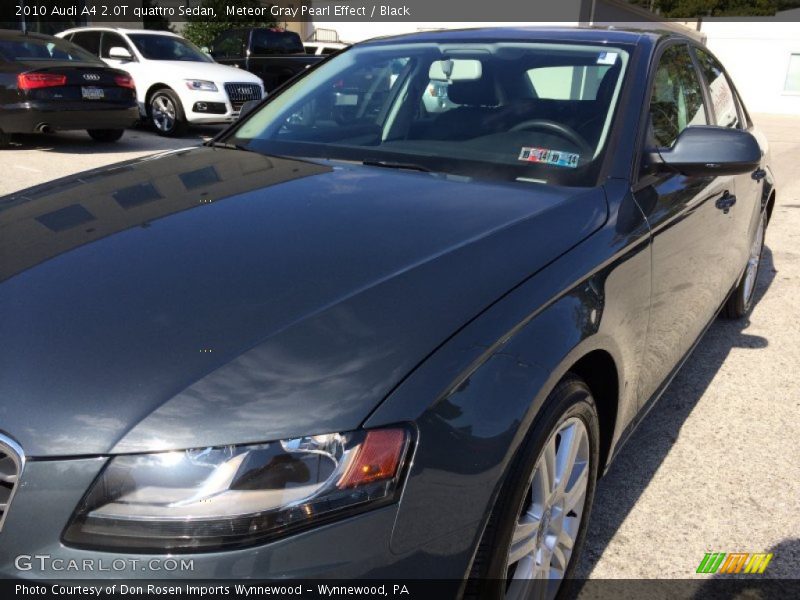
x: 640, y: 458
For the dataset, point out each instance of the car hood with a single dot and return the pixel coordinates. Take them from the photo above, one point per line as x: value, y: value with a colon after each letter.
x: 210, y: 296
x: 200, y: 70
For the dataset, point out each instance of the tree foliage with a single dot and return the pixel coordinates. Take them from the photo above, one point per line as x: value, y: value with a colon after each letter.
x: 687, y: 9
x: 154, y: 21
x: 202, y: 30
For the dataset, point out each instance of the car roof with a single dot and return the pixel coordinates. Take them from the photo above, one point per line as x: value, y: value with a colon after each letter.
x: 16, y: 33
x: 121, y: 30
x: 618, y: 35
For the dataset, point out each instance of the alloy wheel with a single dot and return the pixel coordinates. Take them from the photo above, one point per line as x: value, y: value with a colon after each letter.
x: 545, y: 533
x: 163, y: 113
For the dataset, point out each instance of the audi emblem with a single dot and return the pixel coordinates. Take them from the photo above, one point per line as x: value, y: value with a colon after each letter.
x: 244, y: 90
x: 91, y: 77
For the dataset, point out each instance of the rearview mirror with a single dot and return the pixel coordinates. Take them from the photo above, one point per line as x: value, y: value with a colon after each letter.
x: 455, y: 69
x: 119, y: 53
x: 709, y: 151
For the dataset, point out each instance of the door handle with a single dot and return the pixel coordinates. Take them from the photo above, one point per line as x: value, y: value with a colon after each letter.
x: 758, y: 174
x: 725, y: 202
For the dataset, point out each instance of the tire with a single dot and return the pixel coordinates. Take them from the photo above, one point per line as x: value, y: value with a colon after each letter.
x: 568, y: 410
x: 105, y: 136
x: 165, y: 113
x: 741, y: 300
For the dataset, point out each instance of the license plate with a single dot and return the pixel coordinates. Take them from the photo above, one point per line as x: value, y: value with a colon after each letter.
x: 92, y: 93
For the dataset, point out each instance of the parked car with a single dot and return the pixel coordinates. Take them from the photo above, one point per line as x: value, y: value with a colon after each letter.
x: 47, y: 84
x: 274, y: 55
x: 177, y: 84
x: 323, y: 48
x: 415, y: 339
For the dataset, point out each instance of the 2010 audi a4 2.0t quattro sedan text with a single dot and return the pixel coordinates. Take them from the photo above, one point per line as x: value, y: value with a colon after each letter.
x: 348, y: 322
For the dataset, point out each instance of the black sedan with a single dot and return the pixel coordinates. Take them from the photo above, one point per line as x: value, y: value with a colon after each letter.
x: 363, y: 335
x: 48, y: 84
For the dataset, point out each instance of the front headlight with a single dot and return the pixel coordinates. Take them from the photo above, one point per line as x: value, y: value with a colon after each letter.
x: 237, y: 495
x: 201, y: 85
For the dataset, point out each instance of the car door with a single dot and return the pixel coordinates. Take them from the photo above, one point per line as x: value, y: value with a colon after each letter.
x: 688, y: 231
x: 743, y: 214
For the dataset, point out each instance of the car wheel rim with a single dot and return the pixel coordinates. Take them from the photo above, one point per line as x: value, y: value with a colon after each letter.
x: 751, y: 271
x: 163, y: 111
x: 551, y: 515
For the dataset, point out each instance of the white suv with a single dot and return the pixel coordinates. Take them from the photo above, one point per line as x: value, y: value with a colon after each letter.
x: 176, y: 83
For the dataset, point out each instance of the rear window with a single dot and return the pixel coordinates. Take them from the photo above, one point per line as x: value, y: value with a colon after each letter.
x: 266, y: 41
x: 44, y: 50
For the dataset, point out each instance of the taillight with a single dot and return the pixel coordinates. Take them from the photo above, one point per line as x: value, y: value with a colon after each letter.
x: 124, y: 81
x: 32, y: 81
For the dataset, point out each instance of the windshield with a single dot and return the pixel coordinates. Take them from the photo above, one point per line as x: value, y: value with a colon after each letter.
x: 53, y: 49
x: 167, y: 47
x: 536, y: 112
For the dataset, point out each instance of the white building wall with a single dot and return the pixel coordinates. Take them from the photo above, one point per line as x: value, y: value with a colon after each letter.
x: 756, y: 54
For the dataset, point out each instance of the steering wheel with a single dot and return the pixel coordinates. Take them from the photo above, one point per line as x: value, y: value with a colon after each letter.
x: 559, y: 129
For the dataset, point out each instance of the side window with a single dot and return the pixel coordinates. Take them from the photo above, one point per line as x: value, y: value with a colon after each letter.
x: 677, y: 98
x: 719, y: 90
x: 88, y: 40
x: 229, y: 45
x: 112, y: 40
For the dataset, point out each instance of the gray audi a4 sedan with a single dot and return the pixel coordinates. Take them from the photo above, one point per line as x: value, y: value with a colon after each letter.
x: 364, y: 335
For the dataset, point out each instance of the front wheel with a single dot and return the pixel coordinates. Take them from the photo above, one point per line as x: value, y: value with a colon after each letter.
x: 537, y: 528
x: 740, y: 302
x: 105, y: 136
x: 166, y: 113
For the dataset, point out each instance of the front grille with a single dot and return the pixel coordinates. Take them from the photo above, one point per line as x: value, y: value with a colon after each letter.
x: 11, y: 462
x: 239, y: 93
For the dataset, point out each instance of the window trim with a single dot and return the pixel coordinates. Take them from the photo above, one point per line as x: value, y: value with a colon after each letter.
x: 744, y: 119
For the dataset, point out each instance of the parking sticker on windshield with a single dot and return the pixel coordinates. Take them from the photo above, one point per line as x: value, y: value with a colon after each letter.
x: 549, y: 157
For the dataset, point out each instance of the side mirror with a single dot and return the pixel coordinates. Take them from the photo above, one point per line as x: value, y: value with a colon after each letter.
x: 248, y: 107
x: 709, y: 151
x: 120, y: 53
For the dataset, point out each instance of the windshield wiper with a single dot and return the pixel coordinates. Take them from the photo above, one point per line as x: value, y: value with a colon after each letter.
x: 227, y: 146
x: 388, y: 164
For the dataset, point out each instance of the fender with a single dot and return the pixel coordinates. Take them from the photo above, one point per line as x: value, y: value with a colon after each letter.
x: 496, y: 373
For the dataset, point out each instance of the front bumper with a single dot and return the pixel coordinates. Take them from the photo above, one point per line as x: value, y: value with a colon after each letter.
x: 190, y: 101
x: 31, y: 117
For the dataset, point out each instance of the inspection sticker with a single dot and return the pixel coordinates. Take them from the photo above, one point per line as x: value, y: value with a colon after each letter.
x: 607, y: 58
x: 550, y: 157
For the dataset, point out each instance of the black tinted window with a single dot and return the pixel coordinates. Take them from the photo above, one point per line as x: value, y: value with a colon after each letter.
x: 266, y: 41
x: 43, y: 49
x: 88, y: 40
x: 167, y: 47
x: 677, y: 98
x: 720, y: 90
